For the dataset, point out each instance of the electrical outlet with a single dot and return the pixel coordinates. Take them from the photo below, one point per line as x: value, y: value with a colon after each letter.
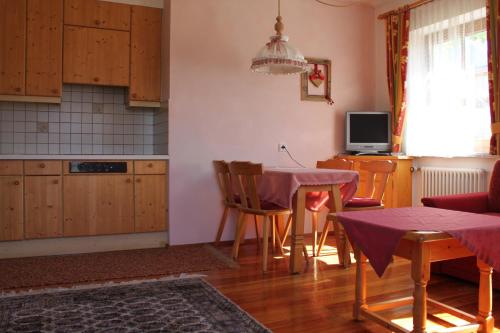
x: 282, y: 147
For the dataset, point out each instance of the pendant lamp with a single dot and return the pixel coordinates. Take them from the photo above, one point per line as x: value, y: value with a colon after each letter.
x: 278, y: 56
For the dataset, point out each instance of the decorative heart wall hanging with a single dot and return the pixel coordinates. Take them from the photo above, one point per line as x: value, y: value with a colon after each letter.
x: 316, y: 77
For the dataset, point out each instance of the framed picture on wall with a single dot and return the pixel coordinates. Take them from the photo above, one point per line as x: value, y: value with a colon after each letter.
x: 316, y: 82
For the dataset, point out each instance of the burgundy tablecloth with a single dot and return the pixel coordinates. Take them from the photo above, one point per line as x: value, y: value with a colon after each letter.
x: 377, y: 232
x: 278, y: 185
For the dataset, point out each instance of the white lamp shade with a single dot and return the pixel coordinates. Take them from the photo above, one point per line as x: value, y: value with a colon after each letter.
x: 279, y: 57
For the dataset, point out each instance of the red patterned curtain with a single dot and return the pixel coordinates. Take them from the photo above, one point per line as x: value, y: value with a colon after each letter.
x: 493, y: 26
x: 397, y: 34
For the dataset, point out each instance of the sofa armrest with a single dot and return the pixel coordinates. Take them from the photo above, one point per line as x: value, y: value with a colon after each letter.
x: 470, y: 202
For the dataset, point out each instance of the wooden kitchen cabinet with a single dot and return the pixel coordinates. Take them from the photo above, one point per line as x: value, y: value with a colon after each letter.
x: 43, y: 207
x: 150, y: 203
x: 145, y: 55
x: 98, y: 204
x: 96, y: 56
x: 12, y: 47
x: 44, y: 48
x: 11, y: 208
x: 398, y: 192
x: 97, y: 14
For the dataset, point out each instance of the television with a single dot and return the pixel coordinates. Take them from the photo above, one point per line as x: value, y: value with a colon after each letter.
x: 368, y: 133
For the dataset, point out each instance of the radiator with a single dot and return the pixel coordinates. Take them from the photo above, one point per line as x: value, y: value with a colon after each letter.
x: 443, y: 181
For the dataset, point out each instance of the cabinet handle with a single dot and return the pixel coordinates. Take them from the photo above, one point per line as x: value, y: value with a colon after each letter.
x: 96, y: 79
x: 16, y: 182
x: 97, y: 22
x: 150, y: 165
x: 42, y: 165
x: 55, y: 181
x: 138, y: 180
x: 17, y: 89
x: 128, y: 181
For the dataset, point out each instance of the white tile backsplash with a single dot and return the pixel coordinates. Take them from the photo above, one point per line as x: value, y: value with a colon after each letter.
x: 90, y: 120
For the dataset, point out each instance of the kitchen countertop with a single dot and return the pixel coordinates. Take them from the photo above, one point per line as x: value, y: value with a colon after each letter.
x: 84, y: 157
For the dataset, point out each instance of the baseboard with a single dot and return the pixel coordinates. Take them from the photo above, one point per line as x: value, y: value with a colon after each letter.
x: 74, y: 245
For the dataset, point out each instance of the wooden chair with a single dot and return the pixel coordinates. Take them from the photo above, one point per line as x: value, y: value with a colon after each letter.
x: 312, y: 203
x: 245, y: 175
x: 377, y: 174
x: 229, y: 200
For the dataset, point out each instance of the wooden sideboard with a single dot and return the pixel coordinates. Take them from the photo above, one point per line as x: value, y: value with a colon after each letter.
x: 42, y: 199
x: 398, y: 192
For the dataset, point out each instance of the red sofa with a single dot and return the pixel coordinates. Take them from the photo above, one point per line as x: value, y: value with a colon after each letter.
x: 481, y: 203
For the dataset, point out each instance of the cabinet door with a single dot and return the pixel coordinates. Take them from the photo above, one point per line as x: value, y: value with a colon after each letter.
x: 98, y: 205
x: 96, y: 56
x: 44, y: 48
x: 43, y: 202
x: 145, y: 54
x: 97, y: 14
x: 12, y: 47
x: 11, y: 208
x: 150, y: 203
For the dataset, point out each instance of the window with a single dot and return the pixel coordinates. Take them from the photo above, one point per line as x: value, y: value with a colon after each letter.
x: 448, y: 110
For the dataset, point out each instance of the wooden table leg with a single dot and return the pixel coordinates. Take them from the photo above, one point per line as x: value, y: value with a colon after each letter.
x: 420, y: 273
x: 485, y: 303
x: 297, y: 239
x: 360, y: 296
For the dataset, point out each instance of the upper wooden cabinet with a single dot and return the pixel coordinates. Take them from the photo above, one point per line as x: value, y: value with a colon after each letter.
x: 97, y: 14
x: 44, y: 48
x: 12, y: 47
x: 145, y: 54
x: 96, y: 56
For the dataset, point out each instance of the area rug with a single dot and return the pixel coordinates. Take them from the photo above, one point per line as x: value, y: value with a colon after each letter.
x: 67, y: 270
x: 177, y: 305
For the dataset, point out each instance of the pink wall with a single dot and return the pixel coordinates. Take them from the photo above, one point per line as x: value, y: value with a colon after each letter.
x: 221, y: 110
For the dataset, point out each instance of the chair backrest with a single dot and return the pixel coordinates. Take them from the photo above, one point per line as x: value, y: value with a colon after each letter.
x: 377, y: 174
x: 245, y: 175
x: 335, y: 163
x: 224, y: 181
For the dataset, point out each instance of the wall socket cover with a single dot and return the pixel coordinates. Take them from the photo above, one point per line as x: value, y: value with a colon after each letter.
x: 282, y: 147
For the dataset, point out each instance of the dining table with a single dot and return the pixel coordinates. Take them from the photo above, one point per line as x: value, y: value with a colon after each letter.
x: 423, y: 235
x: 289, y: 187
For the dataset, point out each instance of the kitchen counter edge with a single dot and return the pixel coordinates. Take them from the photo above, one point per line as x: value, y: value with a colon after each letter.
x: 84, y: 157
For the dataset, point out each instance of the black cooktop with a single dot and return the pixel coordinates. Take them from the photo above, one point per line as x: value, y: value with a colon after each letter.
x: 97, y: 167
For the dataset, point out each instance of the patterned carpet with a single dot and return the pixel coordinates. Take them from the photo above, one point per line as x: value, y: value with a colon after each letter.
x: 180, y: 305
x: 68, y: 270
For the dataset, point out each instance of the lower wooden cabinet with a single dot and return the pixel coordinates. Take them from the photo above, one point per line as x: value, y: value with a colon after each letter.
x: 150, y: 203
x: 44, y: 199
x: 43, y: 211
x: 11, y: 208
x: 98, y: 205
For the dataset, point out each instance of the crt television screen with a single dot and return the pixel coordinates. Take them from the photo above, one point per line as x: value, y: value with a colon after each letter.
x: 369, y: 128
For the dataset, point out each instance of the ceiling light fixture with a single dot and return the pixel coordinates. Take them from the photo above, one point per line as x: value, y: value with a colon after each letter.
x: 278, y: 56
x: 339, y: 3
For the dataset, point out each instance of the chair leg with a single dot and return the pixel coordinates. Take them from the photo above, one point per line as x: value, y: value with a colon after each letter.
x: 306, y: 255
x: 222, y: 224
x: 314, y: 232
x: 265, y: 242
x: 240, y: 228
x: 280, y: 243
x: 287, y: 229
x: 273, y: 232
x: 257, y: 234
x: 322, y: 239
x: 342, y: 244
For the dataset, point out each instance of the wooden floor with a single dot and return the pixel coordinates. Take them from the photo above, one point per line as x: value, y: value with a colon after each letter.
x: 320, y: 299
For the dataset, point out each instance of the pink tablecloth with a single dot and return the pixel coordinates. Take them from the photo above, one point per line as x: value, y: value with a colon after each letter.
x: 377, y: 232
x: 278, y: 185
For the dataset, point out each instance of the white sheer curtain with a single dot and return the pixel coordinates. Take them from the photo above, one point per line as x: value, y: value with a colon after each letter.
x: 447, y: 92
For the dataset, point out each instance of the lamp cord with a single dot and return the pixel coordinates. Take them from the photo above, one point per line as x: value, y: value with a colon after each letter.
x: 293, y: 159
